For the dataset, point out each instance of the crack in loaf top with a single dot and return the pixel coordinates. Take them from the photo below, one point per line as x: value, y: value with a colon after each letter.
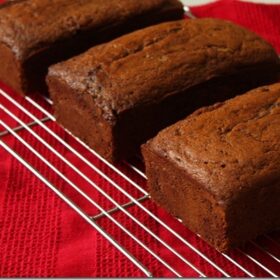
x: 230, y: 147
x: 150, y: 64
x: 29, y: 25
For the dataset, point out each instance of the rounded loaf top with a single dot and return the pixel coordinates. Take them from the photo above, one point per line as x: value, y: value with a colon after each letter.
x: 150, y: 64
x: 28, y: 26
x: 231, y: 147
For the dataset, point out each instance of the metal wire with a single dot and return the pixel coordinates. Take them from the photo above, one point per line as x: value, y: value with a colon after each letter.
x: 19, y: 128
x: 266, y: 252
x: 118, y: 207
x: 259, y: 264
x: 110, y: 180
x: 96, y: 187
x: 119, y: 188
x: 133, y: 201
x: 70, y: 203
x: 242, y: 252
x: 189, y: 13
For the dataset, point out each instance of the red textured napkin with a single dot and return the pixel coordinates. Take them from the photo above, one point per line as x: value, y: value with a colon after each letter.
x: 41, y: 236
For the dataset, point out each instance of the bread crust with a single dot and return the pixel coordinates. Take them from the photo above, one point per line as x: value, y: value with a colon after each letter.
x: 226, y: 156
x: 151, y: 78
x: 43, y: 32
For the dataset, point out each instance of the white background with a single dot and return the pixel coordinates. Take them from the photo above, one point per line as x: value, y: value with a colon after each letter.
x: 199, y: 2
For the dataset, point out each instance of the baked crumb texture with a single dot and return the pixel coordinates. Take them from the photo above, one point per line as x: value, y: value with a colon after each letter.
x: 118, y: 95
x: 219, y: 169
x: 37, y: 33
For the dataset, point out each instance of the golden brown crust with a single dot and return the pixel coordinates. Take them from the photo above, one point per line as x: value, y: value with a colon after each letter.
x: 11, y: 72
x: 219, y: 169
x: 182, y: 197
x: 231, y: 147
x: 30, y: 26
x: 40, y: 33
x: 151, y: 64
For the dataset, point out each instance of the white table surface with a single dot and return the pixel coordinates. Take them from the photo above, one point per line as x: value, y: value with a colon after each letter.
x: 199, y: 2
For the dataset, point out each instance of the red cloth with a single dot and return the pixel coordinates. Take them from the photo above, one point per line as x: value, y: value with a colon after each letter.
x: 41, y: 236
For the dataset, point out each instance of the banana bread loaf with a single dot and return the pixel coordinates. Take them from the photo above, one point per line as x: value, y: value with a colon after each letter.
x: 118, y: 95
x: 219, y: 169
x: 37, y: 33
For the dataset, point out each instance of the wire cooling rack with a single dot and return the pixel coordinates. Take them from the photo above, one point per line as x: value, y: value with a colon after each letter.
x: 33, y: 117
x: 29, y: 118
